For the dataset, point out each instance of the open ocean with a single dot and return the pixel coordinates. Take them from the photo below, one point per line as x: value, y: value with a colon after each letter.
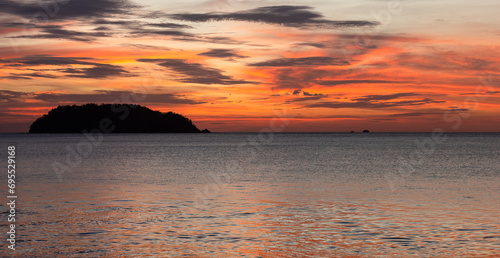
x: 252, y: 195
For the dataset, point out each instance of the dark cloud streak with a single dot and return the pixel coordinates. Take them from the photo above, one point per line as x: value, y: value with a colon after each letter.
x: 8, y: 95
x: 344, y: 82
x: 112, y: 96
x: 99, y: 71
x: 34, y: 60
x: 376, y: 102
x: 303, y: 61
x: 95, y: 71
x: 56, y: 32
x: 195, y: 73
x: 291, y: 16
x: 370, y: 98
x: 316, y: 45
x: 68, y: 10
x: 222, y: 53
x: 169, y: 25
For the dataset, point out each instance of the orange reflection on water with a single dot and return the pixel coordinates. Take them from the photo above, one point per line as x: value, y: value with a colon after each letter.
x: 251, y: 220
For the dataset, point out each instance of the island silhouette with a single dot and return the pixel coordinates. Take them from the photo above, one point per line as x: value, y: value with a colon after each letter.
x: 114, y: 118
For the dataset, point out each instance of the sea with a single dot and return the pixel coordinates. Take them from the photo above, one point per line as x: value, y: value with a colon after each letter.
x: 253, y: 195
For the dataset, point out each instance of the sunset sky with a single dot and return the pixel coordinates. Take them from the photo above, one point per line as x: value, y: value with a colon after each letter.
x: 324, y: 66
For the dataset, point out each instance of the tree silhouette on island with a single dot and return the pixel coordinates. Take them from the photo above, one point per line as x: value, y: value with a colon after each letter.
x: 112, y: 118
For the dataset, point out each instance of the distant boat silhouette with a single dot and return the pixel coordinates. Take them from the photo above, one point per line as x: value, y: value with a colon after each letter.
x: 115, y: 118
x: 366, y: 131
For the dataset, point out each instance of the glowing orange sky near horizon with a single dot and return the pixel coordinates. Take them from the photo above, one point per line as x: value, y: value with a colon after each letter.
x: 238, y: 75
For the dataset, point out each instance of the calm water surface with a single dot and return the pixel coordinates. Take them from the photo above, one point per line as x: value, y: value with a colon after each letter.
x: 250, y: 195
